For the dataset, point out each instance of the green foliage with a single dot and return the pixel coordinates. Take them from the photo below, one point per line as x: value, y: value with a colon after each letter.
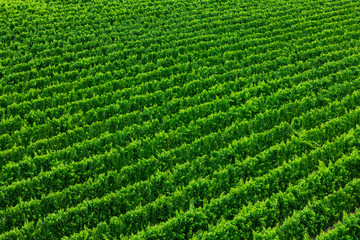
x: 175, y: 119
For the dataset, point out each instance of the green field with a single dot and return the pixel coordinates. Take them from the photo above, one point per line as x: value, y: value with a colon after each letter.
x: 179, y: 119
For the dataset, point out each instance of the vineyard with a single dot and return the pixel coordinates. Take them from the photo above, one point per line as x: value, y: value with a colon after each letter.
x: 179, y: 119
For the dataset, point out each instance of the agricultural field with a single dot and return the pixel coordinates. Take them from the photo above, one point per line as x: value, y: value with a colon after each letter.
x: 179, y: 119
